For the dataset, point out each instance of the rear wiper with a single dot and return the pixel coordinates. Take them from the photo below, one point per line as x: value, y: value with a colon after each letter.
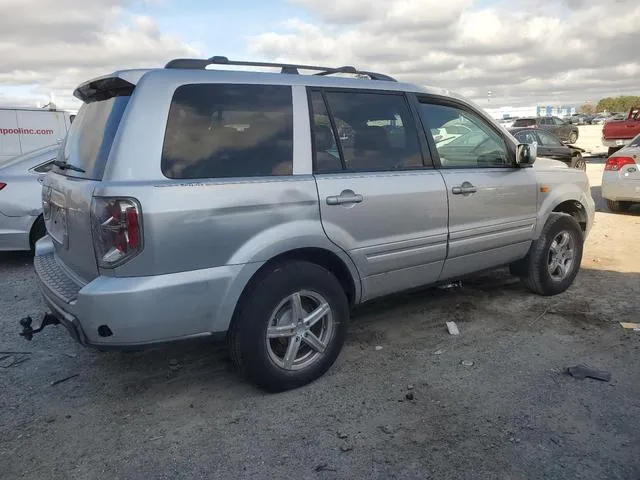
x: 67, y: 166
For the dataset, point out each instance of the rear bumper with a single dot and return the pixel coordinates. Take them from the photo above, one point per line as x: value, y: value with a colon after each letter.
x: 138, y: 311
x: 618, y: 142
x: 14, y: 232
x: 617, y: 189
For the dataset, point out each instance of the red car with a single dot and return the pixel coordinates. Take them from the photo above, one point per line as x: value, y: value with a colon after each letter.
x: 619, y: 133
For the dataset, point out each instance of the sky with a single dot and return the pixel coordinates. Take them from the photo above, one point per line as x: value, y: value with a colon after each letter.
x: 523, y: 51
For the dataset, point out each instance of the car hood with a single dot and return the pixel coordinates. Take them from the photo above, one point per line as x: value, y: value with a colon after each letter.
x: 543, y: 163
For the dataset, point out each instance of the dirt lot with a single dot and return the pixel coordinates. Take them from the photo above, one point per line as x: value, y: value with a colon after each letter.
x: 180, y: 412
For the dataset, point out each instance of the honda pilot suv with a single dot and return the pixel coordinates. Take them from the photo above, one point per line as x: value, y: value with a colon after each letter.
x: 258, y: 207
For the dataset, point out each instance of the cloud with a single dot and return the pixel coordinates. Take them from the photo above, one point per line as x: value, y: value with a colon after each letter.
x: 525, y: 51
x: 54, y: 46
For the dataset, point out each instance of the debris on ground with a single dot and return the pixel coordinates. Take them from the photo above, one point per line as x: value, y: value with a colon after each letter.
x: 467, y: 363
x: 56, y: 382
x: 440, y: 351
x: 451, y: 285
x: 583, y: 371
x: 342, y: 435
x: 630, y: 326
x: 410, y: 387
x: 453, y: 328
x: 346, y: 448
x: 388, y: 429
x: 378, y: 348
x: 409, y: 396
x: 7, y: 361
x: 323, y: 467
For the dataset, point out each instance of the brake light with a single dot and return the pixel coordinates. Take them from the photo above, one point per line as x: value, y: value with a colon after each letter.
x: 117, y: 230
x: 2, y: 185
x: 616, y: 163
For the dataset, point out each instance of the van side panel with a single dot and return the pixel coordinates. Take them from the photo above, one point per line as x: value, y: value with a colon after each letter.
x: 9, y: 135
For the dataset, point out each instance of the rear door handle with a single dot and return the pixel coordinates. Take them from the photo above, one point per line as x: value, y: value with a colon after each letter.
x: 464, y: 189
x: 346, y: 197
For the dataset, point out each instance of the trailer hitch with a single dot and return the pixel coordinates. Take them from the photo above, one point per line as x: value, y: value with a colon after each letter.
x: 28, y: 331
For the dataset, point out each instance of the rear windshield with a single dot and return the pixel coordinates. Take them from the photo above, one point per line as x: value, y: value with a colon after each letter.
x: 89, y: 140
x: 524, y: 122
x: 222, y: 130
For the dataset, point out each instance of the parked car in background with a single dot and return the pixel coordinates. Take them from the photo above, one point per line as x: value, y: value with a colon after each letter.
x: 232, y: 229
x: 21, y: 222
x: 24, y: 130
x: 562, y: 129
x: 621, y: 177
x: 618, y: 133
x: 580, y: 119
x: 550, y: 146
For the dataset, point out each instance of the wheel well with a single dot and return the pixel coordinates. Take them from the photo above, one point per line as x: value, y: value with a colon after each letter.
x: 576, y: 210
x: 37, y: 228
x: 319, y: 256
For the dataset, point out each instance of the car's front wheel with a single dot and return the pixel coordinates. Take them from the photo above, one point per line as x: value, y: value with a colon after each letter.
x: 578, y: 162
x: 573, y: 137
x: 290, y: 326
x: 554, y: 258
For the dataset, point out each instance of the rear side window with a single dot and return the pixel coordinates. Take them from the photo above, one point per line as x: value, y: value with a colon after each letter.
x: 44, y: 168
x: 91, y: 135
x: 524, y: 122
x: 223, y: 130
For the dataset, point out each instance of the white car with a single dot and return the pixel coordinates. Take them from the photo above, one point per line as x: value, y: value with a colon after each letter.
x: 21, y: 223
x: 621, y: 177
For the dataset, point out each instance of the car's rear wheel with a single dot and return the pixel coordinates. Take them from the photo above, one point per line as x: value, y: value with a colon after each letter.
x: 578, y: 162
x: 554, y: 258
x: 290, y: 326
x: 573, y: 137
x: 618, y: 206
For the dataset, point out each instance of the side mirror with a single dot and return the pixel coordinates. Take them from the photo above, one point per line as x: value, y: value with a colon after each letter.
x: 526, y: 154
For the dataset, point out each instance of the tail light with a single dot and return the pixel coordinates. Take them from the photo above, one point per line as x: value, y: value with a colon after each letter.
x: 616, y: 163
x: 2, y: 185
x: 116, y: 224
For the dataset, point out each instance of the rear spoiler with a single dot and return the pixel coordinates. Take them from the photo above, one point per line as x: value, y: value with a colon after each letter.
x: 108, y: 86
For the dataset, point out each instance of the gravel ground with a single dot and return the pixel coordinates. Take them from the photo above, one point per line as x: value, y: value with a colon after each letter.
x: 410, y: 409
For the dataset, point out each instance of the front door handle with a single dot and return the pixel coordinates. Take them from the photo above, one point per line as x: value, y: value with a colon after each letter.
x: 465, y: 189
x: 346, y: 197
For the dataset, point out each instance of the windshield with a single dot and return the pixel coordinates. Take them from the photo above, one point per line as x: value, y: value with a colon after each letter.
x: 89, y: 140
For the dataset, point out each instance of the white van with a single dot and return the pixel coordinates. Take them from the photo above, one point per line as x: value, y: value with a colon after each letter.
x: 25, y: 129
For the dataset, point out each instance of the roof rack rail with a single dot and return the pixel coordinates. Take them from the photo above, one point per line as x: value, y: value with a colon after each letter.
x: 288, y: 68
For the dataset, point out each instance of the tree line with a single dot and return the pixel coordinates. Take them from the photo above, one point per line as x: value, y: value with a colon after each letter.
x: 611, y: 104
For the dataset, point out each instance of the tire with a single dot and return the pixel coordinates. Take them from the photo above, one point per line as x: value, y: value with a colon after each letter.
x: 38, y: 230
x: 538, y: 275
x: 578, y: 162
x: 612, y: 150
x: 271, y: 298
x: 573, y: 137
x: 618, y: 206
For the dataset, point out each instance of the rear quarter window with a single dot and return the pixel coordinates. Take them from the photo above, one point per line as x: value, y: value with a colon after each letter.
x: 229, y: 130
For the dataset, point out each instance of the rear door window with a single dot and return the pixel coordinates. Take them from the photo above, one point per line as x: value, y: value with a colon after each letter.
x: 224, y: 130
x: 376, y: 131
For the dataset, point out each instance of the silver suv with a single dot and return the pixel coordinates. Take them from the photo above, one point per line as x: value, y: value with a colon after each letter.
x: 189, y: 202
